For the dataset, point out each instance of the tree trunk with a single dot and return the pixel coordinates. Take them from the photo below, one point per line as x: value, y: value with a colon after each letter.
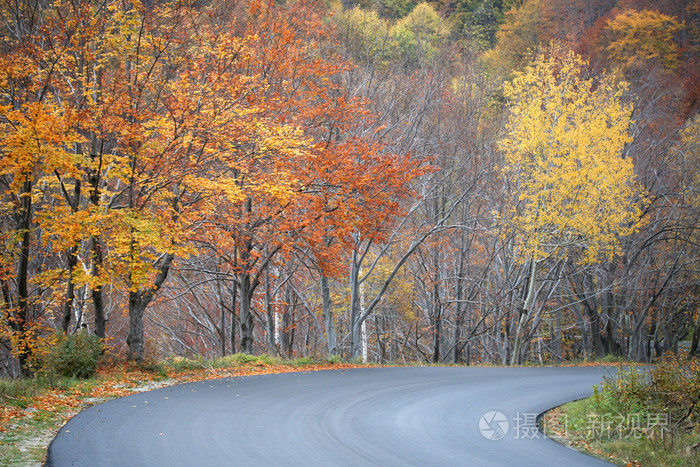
x: 355, y: 312
x: 19, y: 325
x: 596, y: 338
x: 437, y: 325
x: 97, y: 301
x: 72, y: 259
x: 696, y: 338
x: 246, y: 315
x: 436, y: 308
x: 70, y: 289
x: 234, y: 323
x: 458, y: 347
x: 134, y: 340
x: 516, y: 357
x: 222, y: 327
x: 285, y: 338
x: 96, y: 247
x: 138, y: 301
x: 270, y: 320
x: 363, y: 335
x: 328, y: 316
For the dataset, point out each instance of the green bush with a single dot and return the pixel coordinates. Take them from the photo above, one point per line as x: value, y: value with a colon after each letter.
x: 239, y: 359
x: 333, y: 359
x: 628, y: 392
x: 74, y: 356
x: 676, y: 390
x: 670, y: 390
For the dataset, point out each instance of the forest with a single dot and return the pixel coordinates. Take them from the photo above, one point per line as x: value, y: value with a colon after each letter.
x: 458, y: 181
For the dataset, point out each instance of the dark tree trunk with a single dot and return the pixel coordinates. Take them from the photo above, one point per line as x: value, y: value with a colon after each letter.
x: 138, y: 301
x: 437, y: 308
x: 134, y: 341
x: 19, y: 324
x: 246, y: 315
x: 596, y: 338
x: 70, y: 289
x: 96, y: 247
x: 72, y: 258
x: 696, y: 338
x: 355, y: 311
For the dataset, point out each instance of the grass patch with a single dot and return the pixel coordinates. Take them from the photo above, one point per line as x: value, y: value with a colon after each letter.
x: 237, y: 360
x: 19, y: 392
x: 333, y: 359
x: 577, y: 424
x: 26, y: 442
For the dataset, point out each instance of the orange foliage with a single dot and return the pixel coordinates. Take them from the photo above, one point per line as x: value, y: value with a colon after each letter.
x: 155, y: 130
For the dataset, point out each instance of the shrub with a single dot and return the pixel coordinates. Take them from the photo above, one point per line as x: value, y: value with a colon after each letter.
x: 74, y: 356
x: 333, y: 359
x: 155, y: 368
x: 669, y: 391
x: 676, y: 389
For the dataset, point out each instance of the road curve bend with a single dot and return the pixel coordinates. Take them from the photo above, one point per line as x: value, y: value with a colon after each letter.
x: 427, y: 416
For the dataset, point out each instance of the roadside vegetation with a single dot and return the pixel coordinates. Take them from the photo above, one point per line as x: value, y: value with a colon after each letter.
x: 639, y: 417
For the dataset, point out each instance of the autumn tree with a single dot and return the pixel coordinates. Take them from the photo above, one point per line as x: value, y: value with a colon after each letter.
x: 574, y: 193
x: 519, y: 33
x: 297, y: 173
x: 417, y: 37
x: 634, y: 39
x: 37, y: 136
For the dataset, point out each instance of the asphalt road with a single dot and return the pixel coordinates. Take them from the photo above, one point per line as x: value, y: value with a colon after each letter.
x: 434, y: 416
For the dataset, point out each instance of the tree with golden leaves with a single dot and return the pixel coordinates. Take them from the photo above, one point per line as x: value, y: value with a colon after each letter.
x: 575, y: 193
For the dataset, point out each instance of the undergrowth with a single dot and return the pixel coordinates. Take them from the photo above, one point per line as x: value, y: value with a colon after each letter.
x: 639, y: 416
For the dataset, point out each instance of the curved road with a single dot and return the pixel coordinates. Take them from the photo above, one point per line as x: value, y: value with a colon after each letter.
x: 376, y: 416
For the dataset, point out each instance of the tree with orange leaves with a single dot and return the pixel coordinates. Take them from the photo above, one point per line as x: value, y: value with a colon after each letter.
x: 337, y: 182
x: 189, y: 127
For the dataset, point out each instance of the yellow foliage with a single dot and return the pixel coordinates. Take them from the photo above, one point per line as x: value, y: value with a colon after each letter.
x: 514, y: 38
x: 36, y: 340
x: 420, y: 33
x: 365, y: 33
x: 638, y: 37
x: 563, y: 152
